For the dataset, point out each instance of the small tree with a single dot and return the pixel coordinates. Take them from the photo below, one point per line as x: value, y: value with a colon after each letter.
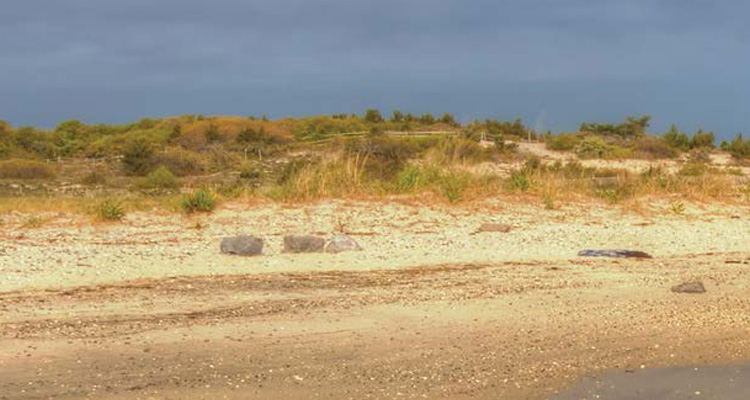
x: 635, y: 126
x: 427, y: 119
x: 397, y: 116
x: 739, y: 147
x: 677, y: 139
x: 447, y: 119
x: 702, y: 139
x: 373, y: 116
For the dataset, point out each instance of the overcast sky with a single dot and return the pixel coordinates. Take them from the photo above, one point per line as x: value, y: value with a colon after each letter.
x: 554, y: 63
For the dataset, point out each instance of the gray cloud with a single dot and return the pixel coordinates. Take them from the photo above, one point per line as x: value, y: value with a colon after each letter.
x: 572, y: 60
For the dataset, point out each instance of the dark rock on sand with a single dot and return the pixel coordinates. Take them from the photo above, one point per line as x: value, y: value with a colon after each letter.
x: 493, y: 227
x: 242, y: 245
x: 690, y: 287
x: 340, y: 243
x: 303, y: 244
x: 614, y: 253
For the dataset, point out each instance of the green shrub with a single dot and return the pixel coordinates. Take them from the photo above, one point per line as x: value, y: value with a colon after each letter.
x: 594, y: 147
x: 383, y: 156
x: 519, y: 181
x: 632, y: 127
x: 109, y: 210
x: 452, y: 185
x: 702, y: 139
x: 138, y: 157
x: 198, y: 201
x: 25, y: 169
x: 373, y: 116
x: 611, y: 195
x: 677, y: 207
x: 738, y: 147
x: 408, y: 179
x: 533, y: 164
x: 251, y: 174
x: 549, y: 203
x: 676, y: 139
x: 161, y: 178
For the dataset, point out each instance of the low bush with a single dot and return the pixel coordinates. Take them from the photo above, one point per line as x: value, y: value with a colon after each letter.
x: 160, y: 178
x: 383, y: 156
x: 562, y: 142
x: 654, y: 148
x: 181, y: 162
x: 25, y: 169
x: 251, y: 173
x: 594, y: 147
x: 198, y: 201
x: 738, y: 147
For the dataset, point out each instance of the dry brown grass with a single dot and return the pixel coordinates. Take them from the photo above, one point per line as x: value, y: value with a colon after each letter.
x: 345, y: 176
x: 25, y: 169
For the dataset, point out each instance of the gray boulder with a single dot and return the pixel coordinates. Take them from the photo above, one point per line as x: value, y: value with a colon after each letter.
x: 242, y: 245
x: 690, y: 287
x: 340, y: 243
x: 303, y: 244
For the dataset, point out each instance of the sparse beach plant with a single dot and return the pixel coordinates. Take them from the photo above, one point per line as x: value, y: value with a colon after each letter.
x: 549, y: 204
x: 198, y: 201
x: 610, y: 195
x: 677, y: 207
x: 519, y: 181
x: 452, y: 185
x: 109, y: 210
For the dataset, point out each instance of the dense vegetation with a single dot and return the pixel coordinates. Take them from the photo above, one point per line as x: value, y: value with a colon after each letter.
x: 341, y: 155
x: 629, y: 140
x: 196, y: 145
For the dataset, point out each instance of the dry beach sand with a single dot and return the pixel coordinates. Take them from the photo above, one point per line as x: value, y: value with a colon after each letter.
x: 431, y: 308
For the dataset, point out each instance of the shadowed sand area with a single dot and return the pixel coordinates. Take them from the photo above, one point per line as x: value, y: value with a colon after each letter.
x: 730, y: 382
